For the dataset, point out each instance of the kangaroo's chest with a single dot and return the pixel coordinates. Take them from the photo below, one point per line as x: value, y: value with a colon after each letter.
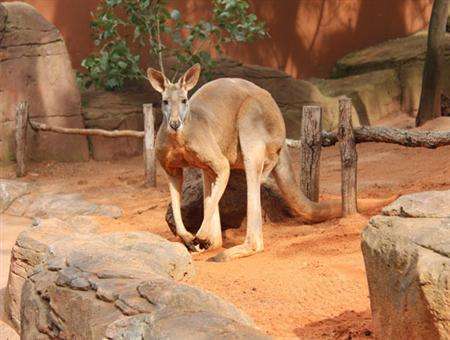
x: 177, y: 156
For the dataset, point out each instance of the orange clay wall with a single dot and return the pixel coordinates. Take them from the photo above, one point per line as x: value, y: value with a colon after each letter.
x: 307, y: 36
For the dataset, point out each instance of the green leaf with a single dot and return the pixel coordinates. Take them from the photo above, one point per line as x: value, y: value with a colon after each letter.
x: 113, y: 3
x: 112, y: 83
x: 122, y: 64
x: 114, y: 20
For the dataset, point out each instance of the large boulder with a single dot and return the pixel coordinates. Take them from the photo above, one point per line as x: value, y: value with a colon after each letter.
x: 407, y: 257
x: 401, y: 60
x: 422, y: 204
x: 120, y: 286
x: 60, y: 205
x: 35, y: 67
x: 233, y: 204
x: 374, y: 95
x: 10, y: 190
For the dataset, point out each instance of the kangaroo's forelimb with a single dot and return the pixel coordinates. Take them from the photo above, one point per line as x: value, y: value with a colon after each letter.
x: 175, y: 186
x: 207, y: 234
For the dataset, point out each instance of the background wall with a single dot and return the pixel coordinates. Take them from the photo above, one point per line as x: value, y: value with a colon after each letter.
x: 307, y: 36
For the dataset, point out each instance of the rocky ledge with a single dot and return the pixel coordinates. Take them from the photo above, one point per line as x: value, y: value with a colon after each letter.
x: 407, y: 257
x: 18, y: 199
x: 68, y: 281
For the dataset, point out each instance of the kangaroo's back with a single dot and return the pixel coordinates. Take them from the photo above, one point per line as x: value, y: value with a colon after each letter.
x: 227, y: 95
x: 218, y: 105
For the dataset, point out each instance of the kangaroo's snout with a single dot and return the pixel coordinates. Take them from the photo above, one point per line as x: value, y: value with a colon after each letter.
x: 175, y: 124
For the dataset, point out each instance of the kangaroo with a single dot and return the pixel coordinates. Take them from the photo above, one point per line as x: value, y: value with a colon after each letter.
x: 228, y: 123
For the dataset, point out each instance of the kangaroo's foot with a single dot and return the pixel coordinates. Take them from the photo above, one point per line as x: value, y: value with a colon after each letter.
x: 235, y: 252
x: 204, y: 243
x: 189, y: 242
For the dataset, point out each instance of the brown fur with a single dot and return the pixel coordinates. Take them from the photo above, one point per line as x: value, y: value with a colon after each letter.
x: 229, y: 124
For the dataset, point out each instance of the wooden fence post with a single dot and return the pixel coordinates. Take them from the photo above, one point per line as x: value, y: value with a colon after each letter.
x: 349, y: 158
x: 21, y: 137
x: 149, y: 146
x: 310, y: 147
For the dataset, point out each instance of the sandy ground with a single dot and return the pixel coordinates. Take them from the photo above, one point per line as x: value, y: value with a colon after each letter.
x: 310, y: 281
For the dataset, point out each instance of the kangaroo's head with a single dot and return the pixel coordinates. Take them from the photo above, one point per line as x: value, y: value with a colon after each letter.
x: 175, y: 105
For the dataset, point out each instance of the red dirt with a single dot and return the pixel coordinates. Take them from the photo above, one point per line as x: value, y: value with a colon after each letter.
x: 310, y: 282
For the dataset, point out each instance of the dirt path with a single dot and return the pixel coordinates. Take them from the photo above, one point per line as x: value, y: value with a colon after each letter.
x: 310, y: 282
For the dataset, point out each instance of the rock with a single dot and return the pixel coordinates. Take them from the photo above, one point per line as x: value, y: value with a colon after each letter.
x: 421, y: 204
x: 232, y: 206
x: 130, y: 327
x: 119, y: 110
x: 172, y: 324
x: 60, y: 205
x: 374, y: 94
x: 385, y: 55
x: 185, y: 298
x: 120, y: 286
x: 10, y: 190
x: 73, y: 253
x: 404, y: 57
x: 35, y: 66
x: 408, y: 269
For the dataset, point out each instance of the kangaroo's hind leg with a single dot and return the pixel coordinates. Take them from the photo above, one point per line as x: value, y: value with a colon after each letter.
x: 253, y: 137
x: 254, y: 239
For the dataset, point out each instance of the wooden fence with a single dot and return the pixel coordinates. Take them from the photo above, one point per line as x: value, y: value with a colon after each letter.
x: 313, y: 139
x: 148, y: 135
x: 310, y: 144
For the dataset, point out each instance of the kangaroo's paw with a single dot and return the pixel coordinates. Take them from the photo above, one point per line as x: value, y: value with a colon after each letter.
x: 242, y: 250
x: 189, y: 242
x: 202, y: 243
x: 192, y: 247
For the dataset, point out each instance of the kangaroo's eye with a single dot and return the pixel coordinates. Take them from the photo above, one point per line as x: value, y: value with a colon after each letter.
x: 184, y: 101
x: 165, y: 102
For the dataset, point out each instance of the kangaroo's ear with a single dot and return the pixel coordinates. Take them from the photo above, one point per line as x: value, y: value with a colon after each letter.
x: 157, y: 79
x: 190, y: 78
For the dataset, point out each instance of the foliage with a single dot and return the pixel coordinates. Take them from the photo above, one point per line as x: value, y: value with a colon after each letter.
x: 123, y: 28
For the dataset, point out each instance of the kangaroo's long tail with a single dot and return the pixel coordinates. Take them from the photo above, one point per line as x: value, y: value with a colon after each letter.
x: 303, y: 207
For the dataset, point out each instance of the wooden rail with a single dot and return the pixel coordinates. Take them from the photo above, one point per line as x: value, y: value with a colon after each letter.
x: 347, y: 138
x: 378, y: 134
x: 148, y: 136
x: 86, y: 132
